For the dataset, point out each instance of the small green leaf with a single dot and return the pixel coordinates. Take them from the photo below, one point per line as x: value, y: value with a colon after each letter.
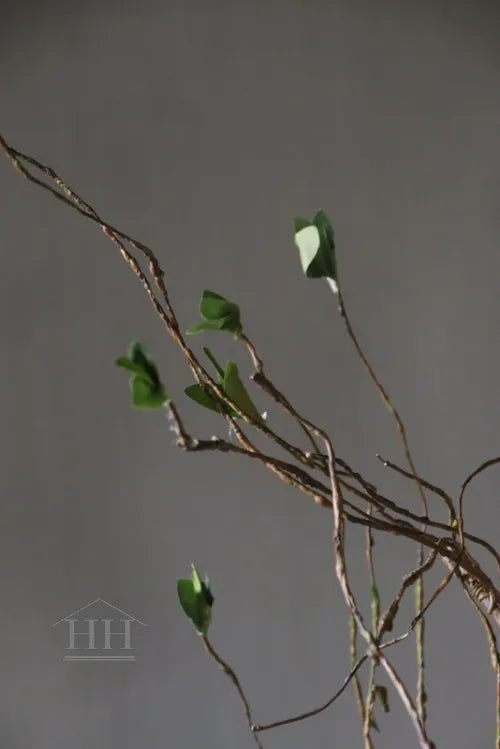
x: 308, y: 241
x: 202, y: 396
x: 234, y: 389
x: 218, y: 314
x: 126, y: 363
x: 214, y: 305
x: 196, y: 600
x: 145, y: 395
x: 145, y: 384
x: 232, y: 386
x: 187, y: 598
x: 315, y: 242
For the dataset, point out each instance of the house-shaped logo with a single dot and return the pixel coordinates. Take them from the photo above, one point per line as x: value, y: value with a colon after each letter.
x: 99, y: 631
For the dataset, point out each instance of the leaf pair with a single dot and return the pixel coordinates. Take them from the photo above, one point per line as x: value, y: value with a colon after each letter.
x: 315, y: 242
x: 219, y: 314
x: 196, y: 600
x: 230, y: 382
x: 146, y: 387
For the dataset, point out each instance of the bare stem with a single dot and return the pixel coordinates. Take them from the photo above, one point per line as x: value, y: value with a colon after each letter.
x: 421, y: 693
x: 229, y: 671
x: 311, y: 713
x: 375, y: 615
x: 358, y: 689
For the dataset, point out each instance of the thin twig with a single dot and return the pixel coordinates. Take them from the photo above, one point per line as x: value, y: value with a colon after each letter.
x: 259, y: 369
x: 311, y: 713
x: 495, y: 662
x: 445, y: 582
x: 421, y: 693
x: 431, y: 487
x: 351, y: 676
x: 356, y: 683
x: 375, y: 615
x: 341, y: 571
x: 476, y: 472
x: 387, y: 619
x: 229, y: 671
x: 309, y: 485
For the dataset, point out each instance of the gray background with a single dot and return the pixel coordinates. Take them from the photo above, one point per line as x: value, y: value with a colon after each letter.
x: 202, y: 128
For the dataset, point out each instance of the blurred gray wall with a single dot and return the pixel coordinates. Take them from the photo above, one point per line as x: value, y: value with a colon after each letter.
x: 203, y: 128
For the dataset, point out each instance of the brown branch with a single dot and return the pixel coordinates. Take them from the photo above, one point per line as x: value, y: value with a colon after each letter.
x: 356, y: 683
x: 421, y: 694
x: 476, y: 472
x: 231, y: 674
x: 351, y: 676
x: 495, y: 662
x: 454, y: 553
x: 445, y: 582
x: 259, y: 369
x: 375, y: 615
x: 317, y: 710
x: 341, y: 571
x: 387, y: 619
x: 449, y: 550
x: 431, y: 487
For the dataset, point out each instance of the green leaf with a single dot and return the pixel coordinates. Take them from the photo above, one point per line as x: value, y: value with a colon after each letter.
x: 146, y: 395
x: 234, y: 388
x: 218, y: 314
x: 202, y: 396
x: 308, y: 241
x: 196, y: 600
x: 300, y: 223
x: 140, y: 356
x: 146, y: 387
x: 315, y: 242
x: 187, y: 598
x: 131, y: 366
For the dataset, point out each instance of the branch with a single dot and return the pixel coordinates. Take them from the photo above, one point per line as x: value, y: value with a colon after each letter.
x: 421, y: 694
x: 317, y: 710
x: 229, y: 671
x: 383, y: 514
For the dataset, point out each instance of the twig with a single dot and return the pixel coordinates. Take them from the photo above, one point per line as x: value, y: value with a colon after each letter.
x: 351, y: 676
x: 445, y: 582
x: 421, y: 693
x: 375, y: 615
x: 387, y: 619
x: 353, y: 652
x: 259, y: 369
x: 495, y: 662
x: 454, y: 554
x: 340, y: 568
x: 409, y: 705
x: 229, y: 671
x: 476, y: 472
x: 431, y: 487
x: 305, y: 482
x: 311, y: 713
